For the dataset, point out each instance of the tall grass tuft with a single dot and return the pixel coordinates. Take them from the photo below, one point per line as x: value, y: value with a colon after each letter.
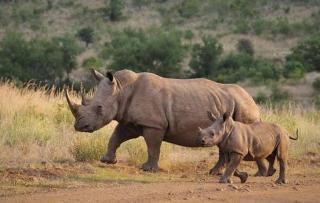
x: 36, y: 125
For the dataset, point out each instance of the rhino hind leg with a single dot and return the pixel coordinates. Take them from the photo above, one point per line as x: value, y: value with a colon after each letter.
x: 282, y: 155
x: 262, y: 168
x: 153, y: 138
x: 121, y: 134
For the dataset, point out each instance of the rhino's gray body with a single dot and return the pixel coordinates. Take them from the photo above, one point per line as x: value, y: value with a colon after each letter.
x: 159, y: 109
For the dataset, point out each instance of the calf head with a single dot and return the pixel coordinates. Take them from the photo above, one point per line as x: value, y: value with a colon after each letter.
x: 101, y: 109
x: 215, y: 133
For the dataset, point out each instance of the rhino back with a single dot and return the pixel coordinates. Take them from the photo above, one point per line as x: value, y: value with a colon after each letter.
x: 177, y: 105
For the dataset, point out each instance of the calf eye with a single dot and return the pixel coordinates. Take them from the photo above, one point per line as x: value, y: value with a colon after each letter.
x: 212, y: 133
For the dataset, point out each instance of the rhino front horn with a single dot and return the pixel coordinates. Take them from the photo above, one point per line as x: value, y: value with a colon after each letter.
x: 72, y: 105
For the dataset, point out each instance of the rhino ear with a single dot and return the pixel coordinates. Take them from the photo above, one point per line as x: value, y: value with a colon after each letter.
x: 97, y: 75
x: 226, y: 115
x: 211, y: 116
x: 110, y: 76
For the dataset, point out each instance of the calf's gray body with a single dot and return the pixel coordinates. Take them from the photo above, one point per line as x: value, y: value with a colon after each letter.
x: 256, y: 141
x: 159, y: 109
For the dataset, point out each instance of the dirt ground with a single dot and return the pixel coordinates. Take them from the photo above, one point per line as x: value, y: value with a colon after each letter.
x: 301, y: 188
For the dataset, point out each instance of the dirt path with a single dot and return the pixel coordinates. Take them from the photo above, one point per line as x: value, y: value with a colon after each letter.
x: 301, y: 188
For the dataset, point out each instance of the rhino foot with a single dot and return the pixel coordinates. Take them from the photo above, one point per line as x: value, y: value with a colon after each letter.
x: 261, y: 174
x: 244, y: 177
x: 225, y: 180
x: 282, y: 181
x: 214, y: 171
x: 108, y: 160
x: 271, y: 171
x: 149, y: 167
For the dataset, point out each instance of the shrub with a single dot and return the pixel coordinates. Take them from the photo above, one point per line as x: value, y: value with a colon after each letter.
x: 307, y: 53
x: 189, y: 8
x: 86, y: 34
x: 316, y: 84
x: 278, y: 95
x: 37, y: 59
x: 205, y: 58
x: 154, y: 50
x: 245, y: 46
x: 293, y: 70
x: 261, y: 98
x: 114, y: 10
x: 92, y: 62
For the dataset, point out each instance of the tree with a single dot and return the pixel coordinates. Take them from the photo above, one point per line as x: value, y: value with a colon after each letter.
x: 154, y: 50
x: 307, y: 53
x: 114, y: 9
x: 37, y: 59
x: 205, y: 58
x: 86, y: 34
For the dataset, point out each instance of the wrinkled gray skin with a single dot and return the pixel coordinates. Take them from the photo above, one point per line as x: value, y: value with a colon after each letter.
x: 259, y: 140
x: 159, y: 109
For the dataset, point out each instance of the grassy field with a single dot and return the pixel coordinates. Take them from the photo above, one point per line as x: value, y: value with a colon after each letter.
x: 39, y: 149
x: 36, y: 126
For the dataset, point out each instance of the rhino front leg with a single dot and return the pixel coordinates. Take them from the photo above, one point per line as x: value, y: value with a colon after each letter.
x: 217, y: 169
x: 120, y: 134
x: 234, y: 162
x: 153, y: 138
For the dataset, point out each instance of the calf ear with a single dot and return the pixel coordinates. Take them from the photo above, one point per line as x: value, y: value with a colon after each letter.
x: 226, y: 115
x: 110, y: 76
x: 211, y: 116
x: 97, y: 75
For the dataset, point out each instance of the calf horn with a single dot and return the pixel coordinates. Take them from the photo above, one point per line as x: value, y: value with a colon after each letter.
x: 72, y: 105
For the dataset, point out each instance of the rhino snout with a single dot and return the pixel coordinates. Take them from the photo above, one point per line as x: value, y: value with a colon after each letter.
x: 83, y: 128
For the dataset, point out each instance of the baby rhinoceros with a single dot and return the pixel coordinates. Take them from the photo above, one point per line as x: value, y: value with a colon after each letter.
x: 249, y: 142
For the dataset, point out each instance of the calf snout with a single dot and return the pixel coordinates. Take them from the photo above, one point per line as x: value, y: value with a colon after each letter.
x: 83, y: 128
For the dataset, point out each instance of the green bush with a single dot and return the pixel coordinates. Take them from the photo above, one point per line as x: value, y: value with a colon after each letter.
x: 307, y: 53
x: 293, y: 70
x: 317, y: 102
x: 114, y: 10
x: 245, y: 46
x: 205, y: 57
x: 37, y: 59
x: 316, y: 84
x: 189, y: 8
x: 86, y: 34
x: 154, y: 50
x: 278, y: 95
x: 92, y: 62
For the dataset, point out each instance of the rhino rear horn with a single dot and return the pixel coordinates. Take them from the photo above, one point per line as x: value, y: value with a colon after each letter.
x: 84, y: 100
x: 97, y: 75
x: 72, y: 105
x: 211, y: 116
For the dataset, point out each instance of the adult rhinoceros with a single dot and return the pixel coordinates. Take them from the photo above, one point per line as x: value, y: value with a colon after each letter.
x: 159, y: 109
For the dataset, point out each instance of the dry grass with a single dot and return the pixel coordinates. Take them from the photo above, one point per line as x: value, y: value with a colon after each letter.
x: 37, y: 126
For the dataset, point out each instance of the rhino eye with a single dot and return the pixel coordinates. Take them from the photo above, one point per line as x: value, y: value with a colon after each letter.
x: 99, y: 109
x: 211, y: 133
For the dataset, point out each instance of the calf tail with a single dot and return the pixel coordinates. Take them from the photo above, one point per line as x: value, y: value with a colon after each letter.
x: 297, y: 136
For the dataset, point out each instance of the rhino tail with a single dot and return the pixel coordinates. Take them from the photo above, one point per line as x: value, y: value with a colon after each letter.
x: 297, y: 136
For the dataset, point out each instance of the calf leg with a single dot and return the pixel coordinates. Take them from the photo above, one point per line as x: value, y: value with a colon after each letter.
x: 271, y: 158
x: 242, y: 175
x: 121, y: 134
x: 217, y: 169
x: 232, y: 165
x: 282, y: 155
x: 153, y: 138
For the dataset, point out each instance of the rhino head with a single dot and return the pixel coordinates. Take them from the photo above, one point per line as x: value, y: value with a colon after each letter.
x: 215, y: 133
x: 93, y: 114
